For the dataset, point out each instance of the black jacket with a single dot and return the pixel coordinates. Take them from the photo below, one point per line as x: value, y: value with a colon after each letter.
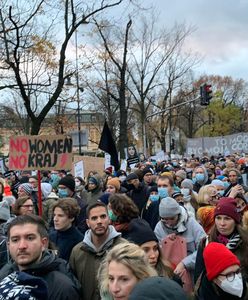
x: 62, y: 285
x: 66, y: 240
x: 139, y: 196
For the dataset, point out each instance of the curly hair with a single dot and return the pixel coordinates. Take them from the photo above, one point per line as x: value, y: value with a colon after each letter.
x: 131, y: 256
x: 69, y: 207
x: 123, y: 207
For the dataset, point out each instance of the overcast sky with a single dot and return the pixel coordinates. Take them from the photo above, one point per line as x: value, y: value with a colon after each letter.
x: 221, y: 34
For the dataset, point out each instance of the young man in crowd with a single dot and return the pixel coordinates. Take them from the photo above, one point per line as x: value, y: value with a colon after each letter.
x: 87, y: 255
x: 34, y: 270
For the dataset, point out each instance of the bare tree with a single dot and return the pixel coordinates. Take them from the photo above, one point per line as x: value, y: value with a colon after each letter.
x: 30, y: 61
x: 157, y: 70
x: 121, y: 67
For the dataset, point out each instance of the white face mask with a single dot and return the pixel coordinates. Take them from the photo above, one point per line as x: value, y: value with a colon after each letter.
x: 234, y: 287
x: 122, y: 178
x: 185, y: 192
x: 77, y: 183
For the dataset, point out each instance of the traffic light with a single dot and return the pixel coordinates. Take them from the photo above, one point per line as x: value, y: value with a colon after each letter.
x: 206, y: 93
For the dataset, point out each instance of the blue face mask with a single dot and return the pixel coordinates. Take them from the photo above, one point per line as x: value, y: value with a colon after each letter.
x: 54, y: 176
x: 163, y: 192
x: 221, y: 193
x: 154, y: 198
x: 199, y: 177
x: 226, y: 184
x: 63, y: 193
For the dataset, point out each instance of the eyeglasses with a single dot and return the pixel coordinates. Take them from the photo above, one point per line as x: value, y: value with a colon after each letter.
x: 230, y: 276
x: 27, y: 206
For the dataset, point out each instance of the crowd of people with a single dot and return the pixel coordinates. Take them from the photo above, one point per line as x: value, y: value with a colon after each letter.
x: 175, y: 229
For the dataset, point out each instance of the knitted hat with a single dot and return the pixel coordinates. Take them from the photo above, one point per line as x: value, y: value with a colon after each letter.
x: 104, y: 198
x: 217, y: 258
x: 27, y: 187
x: 181, y: 173
x: 108, y: 170
x: 114, y: 182
x: 4, y: 211
x: 140, y: 232
x: 157, y: 288
x: 217, y: 182
x: 68, y: 181
x: 121, y: 173
x: 152, y: 189
x: 148, y: 169
x: 187, y: 184
x: 176, y: 194
x: 205, y: 215
x: 52, y: 195
x: 227, y: 206
x: 21, y: 285
x: 169, y: 207
x: 132, y: 176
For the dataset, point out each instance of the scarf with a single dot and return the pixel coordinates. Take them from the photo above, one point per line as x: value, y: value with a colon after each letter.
x: 232, y: 242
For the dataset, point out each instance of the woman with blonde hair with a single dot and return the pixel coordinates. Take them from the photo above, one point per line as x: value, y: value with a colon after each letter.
x: 124, y: 266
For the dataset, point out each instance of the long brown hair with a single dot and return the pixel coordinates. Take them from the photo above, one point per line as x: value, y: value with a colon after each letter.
x: 242, y: 248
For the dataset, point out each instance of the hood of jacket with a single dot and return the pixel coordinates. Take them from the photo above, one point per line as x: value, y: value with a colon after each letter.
x: 181, y: 224
x: 87, y: 241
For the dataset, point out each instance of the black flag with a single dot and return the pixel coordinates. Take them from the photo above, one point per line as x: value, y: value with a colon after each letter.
x: 107, y: 144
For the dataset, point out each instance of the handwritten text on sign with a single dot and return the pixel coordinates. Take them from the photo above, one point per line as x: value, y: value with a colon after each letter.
x: 40, y: 152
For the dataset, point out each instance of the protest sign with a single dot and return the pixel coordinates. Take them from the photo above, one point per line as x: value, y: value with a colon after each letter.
x: 90, y: 163
x: 40, y: 152
x: 225, y: 145
x: 79, y: 169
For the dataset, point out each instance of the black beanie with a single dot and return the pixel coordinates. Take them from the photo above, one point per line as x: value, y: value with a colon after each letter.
x: 140, y: 232
x: 152, y: 189
x: 69, y: 182
x: 147, y: 170
x: 157, y: 288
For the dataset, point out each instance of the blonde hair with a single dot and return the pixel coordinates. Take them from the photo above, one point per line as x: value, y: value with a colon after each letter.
x: 131, y: 256
x: 205, y: 194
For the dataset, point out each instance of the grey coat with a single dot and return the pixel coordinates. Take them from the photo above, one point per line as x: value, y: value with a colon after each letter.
x: 188, y: 228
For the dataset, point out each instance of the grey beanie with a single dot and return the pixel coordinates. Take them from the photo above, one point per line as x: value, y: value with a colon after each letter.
x: 157, y: 288
x: 187, y: 184
x: 181, y: 173
x: 169, y: 207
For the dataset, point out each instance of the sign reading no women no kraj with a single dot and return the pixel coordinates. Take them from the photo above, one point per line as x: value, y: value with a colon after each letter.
x: 40, y: 152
